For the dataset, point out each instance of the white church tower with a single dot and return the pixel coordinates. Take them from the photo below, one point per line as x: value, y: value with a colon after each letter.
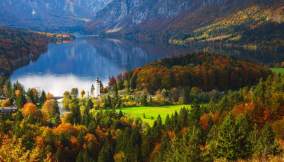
x: 97, y: 88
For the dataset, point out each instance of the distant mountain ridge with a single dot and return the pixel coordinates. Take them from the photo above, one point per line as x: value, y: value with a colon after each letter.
x: 140, y: 19
x: 164, y: 20
x: 49, y: 14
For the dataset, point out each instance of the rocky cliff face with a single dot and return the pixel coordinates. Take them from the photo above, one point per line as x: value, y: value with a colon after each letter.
x: 160, y: 16
x: 151, y: 18
x: 49, y: 14
x: 124, y: 14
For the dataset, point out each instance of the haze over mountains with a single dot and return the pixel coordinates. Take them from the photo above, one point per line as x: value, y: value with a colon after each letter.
x: 157, y: 19
x: 49, y: 14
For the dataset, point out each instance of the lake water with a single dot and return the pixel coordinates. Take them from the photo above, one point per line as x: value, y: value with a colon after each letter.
x: 79, y: 63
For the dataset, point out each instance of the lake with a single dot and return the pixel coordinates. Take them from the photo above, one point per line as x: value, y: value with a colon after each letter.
x: 80, y: 62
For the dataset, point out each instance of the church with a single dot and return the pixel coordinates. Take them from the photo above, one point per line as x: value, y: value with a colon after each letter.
x: 96, y: 89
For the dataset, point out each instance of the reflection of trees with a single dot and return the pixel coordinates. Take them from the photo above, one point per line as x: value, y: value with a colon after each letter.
x: 90, y: 57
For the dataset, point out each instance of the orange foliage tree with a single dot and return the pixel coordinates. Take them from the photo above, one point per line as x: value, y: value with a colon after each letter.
x: 29, y: 109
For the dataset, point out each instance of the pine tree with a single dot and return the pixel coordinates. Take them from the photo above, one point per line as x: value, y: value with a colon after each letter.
x: 106, y: 153
x: 165, y: 145
x: 186, y: 148
x: 20, y: 100
x: 194, y: 115
x: 186, y: 96
x: 266, y: 144
x: 42, y: 98
x: 92, y: 89
x: 133, y: 81
x: 243, y: 129
x: 226, y: 146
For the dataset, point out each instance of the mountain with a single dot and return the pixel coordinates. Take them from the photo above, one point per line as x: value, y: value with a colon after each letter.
x: 144, y: 15
x: 45, y: 15
x: 261, y: 23
x: 19, y: 48
x: 162, y: 20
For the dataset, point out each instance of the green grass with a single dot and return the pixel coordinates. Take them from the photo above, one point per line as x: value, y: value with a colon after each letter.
x: 150, y: 114
x: 278, y: 70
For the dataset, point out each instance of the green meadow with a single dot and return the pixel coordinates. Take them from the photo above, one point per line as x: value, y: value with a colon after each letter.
x: 278, y: 70
x: 149, y: 113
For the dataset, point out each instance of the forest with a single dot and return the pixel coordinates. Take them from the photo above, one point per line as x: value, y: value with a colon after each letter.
x: 18, y: 47
x: 257, y: 26
x: 240, y: 122
x: 203, y: 70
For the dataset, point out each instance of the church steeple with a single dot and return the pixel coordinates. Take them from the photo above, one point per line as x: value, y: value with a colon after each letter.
x: 97, y: 88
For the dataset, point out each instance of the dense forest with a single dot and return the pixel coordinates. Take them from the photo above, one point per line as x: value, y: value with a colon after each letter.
x: 198, y: 107
x: 205, y: 71
x: 252, y: 27
x: 19, y: 47
x: 245, y: 123
x: 242, y: 124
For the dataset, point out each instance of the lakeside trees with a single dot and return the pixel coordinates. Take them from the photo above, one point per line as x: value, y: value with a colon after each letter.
x: 205, y: 71
x: 240, y: 124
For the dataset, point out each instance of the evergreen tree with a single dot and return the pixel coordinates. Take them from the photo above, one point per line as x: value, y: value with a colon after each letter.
x: 75, y: 111
x: 80, y: 157
x: 133, y: 81
x: 243, y: 130
x: 168, y: 122
x: 266, y: 144
x: 20, y: 100
x: 165, y: 145
x: 194, y: 115
x: 92, y: 89
x: 226, y: 145
x: 74, y: 92
x: 185, y: 149
x: 42, y: 98
x: 186, y: 96
x: 106, y: 153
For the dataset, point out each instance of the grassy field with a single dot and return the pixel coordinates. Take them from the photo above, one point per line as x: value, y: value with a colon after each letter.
x: 149, y: 114
x: 278, y: 70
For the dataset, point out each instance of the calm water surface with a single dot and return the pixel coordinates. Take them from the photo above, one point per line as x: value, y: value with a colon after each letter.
x: 79, y: 63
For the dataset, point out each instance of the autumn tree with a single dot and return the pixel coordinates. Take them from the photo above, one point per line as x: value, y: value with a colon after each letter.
x: 29, y: 109
x: 50, y: 111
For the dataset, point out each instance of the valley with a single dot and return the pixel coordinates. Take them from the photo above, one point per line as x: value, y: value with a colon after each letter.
x: 141, y: 80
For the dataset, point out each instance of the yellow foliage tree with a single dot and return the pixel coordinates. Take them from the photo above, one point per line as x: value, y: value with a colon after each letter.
x: 49, y: 109
x: 18, y: 93
x: 29, y: 109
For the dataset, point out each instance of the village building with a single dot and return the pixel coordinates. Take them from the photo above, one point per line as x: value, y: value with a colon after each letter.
x: 96, y: 89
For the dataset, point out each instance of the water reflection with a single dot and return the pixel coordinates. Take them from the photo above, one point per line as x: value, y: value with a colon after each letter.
x: 79, y: 63
x: 56, y: 84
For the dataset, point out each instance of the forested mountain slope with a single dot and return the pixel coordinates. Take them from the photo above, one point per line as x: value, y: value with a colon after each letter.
x: 180, y: 21
x: 203, y: 70
x: 256, y: 24
x: 18, y: 48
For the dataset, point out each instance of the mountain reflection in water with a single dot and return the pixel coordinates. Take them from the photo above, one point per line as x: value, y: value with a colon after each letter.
x: 79, y: 63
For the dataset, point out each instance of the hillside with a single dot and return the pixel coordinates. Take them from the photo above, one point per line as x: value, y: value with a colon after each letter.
x: 205, y: 71
x: 49, y: 15
x: 192, y: 21
x: 253, y: 25
x: 243, y: 125
x: 20, y: 47
x: 180, y: 21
